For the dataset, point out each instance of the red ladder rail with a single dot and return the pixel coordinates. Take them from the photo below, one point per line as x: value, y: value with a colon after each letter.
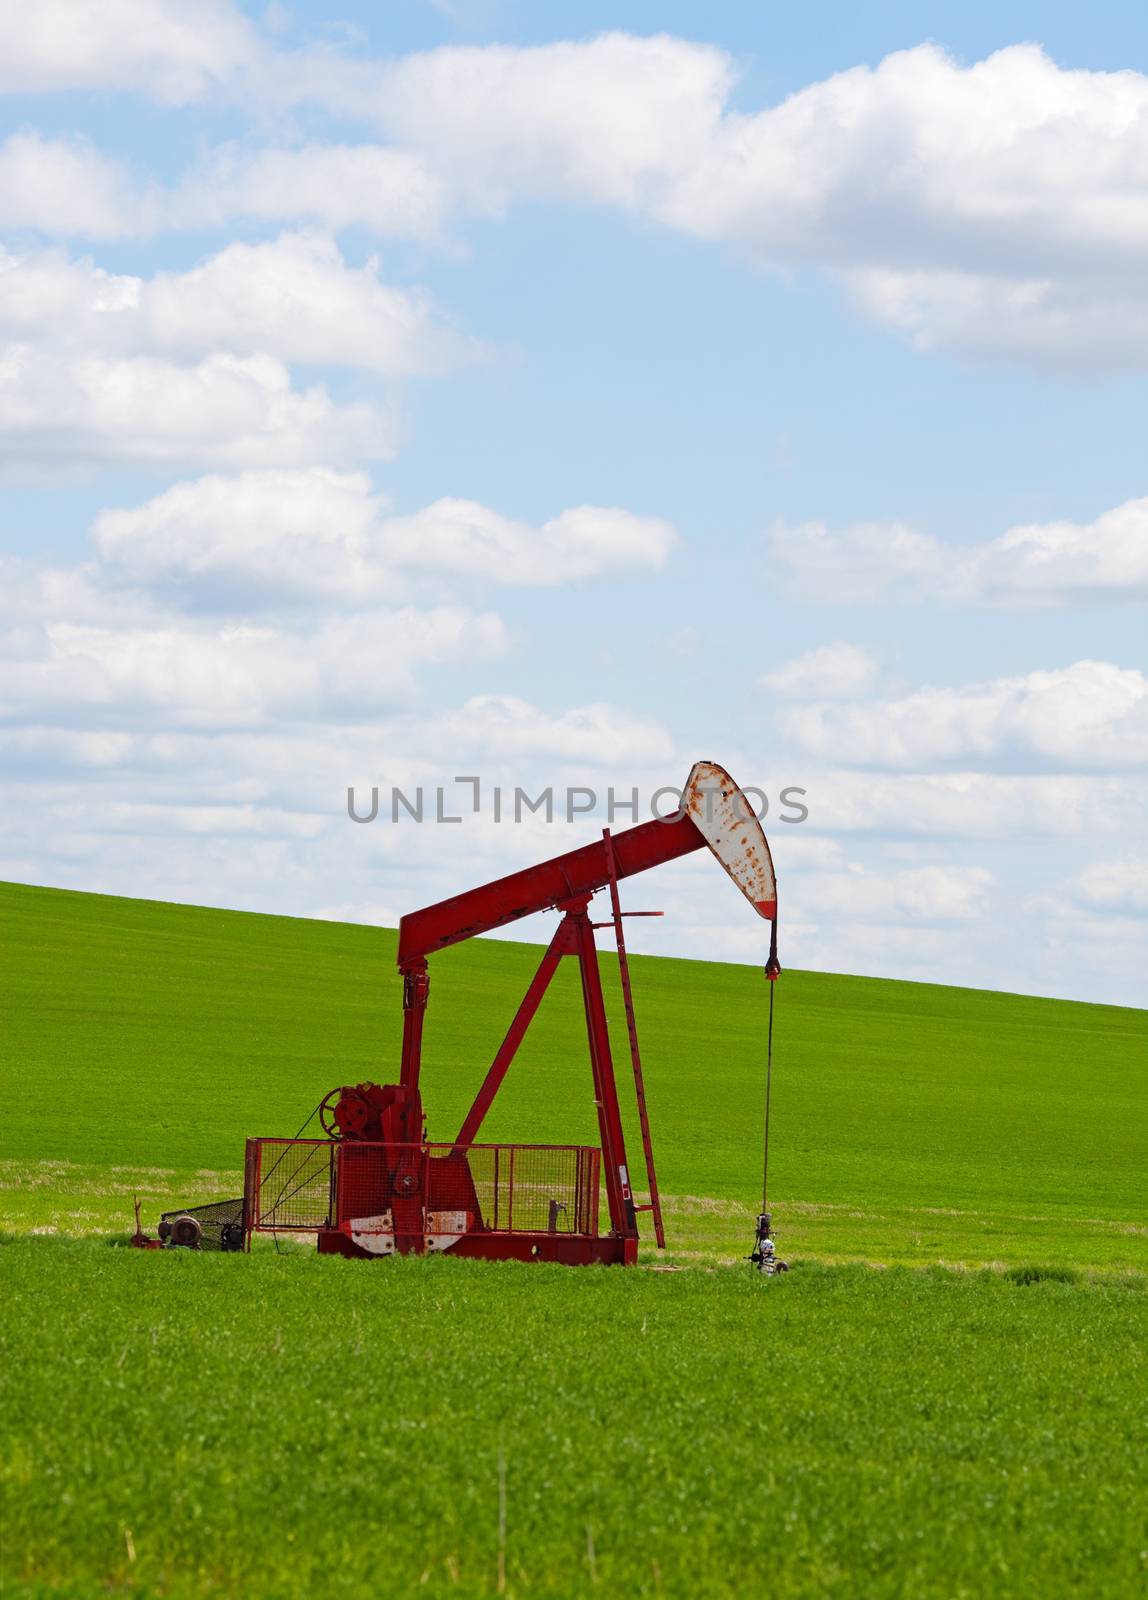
x: 655, y: 1205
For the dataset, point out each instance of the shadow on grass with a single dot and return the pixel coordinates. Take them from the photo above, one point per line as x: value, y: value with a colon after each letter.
x: 1041, y: 1274
x: 804, y: 1267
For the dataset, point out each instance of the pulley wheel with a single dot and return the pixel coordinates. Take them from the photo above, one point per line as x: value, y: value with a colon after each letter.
x: 344, y: 1112
x: 182, y: 1231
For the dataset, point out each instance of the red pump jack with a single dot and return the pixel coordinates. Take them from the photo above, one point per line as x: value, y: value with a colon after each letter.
x: 375, y: 1186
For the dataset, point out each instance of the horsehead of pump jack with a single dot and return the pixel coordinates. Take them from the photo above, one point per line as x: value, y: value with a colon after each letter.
x: 376, y: 1186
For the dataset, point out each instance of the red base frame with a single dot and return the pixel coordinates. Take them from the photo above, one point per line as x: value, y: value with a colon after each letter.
x: 570, y: 1250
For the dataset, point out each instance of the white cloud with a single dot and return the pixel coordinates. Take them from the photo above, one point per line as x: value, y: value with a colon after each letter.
x: 1066, y: 561
x: 294, y: 297
x: 387, y: 190
x: 943, y: 159
x: 162, y: 48
x: 1115, y: 887
x: 66, y: 187
x: 495, y: 727
x: 209, y: 821
x: 463, y: 537
x: 1089, y: 715
x: 98, y: 671
x: 225, y: 410
x: 31, y: 593
x: 259, y: 537
x: 1033, y: 564
x: 236, y: 675
x: 997, y: 209
x: 868, y: 561
x: 618, y: 120
x: 831, y: 672
x: 253, y: 538
x: 304, y: 763
x: 998, y: 205
x: 975, y: 805
x: 920, y: 895
x: 1049, y: 323
x: 684, y: 642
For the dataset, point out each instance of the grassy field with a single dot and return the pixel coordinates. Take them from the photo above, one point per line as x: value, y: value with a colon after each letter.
x: 220, y: 1426
x: 280, y: 1425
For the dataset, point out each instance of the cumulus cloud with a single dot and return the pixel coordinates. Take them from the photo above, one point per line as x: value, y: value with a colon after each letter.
x: 31, y: 592
x: 831, y: 672
x: 192, y: 367
x: 996, y: 208
x: 976, y: 805
x: 254, y: 538
x: 255, y: 598
x: 463, y: 537
x: 161, y: 48
x: 215, y: 822
x: 920, y: 895
x: 294, y: 297
x: 70, y: 406
x: 1118, y: 888
x: 1092, y: 714
x: 868, y: 561
x: 259, y: 537
x: 999, y: 205
x: 66, y: 187
x: 496, y: 727
x: 1049, y: 323
x: 388, y: 190
x: 236, y: 674
x: 503, y: 121
x: 1033, y: 564
x: 1043, y: 563
x: 305, y: 763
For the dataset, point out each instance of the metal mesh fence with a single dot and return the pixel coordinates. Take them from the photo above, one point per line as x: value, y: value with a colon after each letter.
x: 292, y: 1182
x: 526, y: 1188
x: 374, y: 1190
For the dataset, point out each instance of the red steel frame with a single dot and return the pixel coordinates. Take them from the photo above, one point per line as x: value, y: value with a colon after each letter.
x: 565, y: 883
x: 542, y: 887
x: 574, y: 936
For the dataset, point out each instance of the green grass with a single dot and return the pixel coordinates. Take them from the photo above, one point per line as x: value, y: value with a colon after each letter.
x: 191, y: 1426
x: 912, y: 1123
x: 304, y: 1426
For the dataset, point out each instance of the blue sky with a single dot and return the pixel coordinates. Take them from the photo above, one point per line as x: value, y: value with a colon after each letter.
x: 318, y: 334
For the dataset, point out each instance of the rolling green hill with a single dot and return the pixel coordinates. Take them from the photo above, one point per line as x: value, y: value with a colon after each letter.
x: 142, y: 1042
x: 200, y: 1426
